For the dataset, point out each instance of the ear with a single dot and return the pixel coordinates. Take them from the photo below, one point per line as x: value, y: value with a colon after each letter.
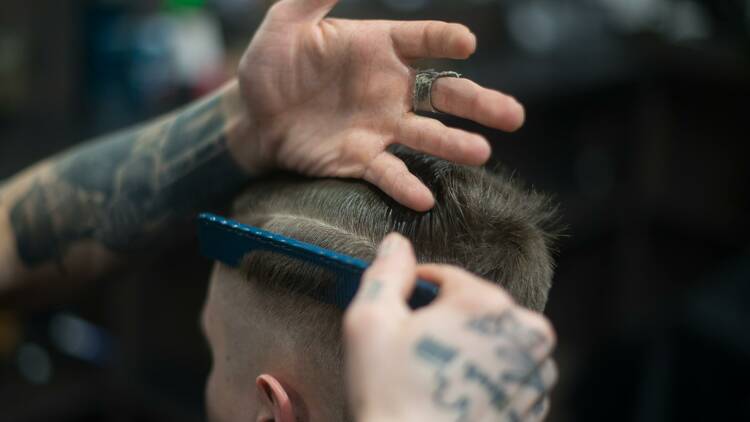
x: 274, y: 401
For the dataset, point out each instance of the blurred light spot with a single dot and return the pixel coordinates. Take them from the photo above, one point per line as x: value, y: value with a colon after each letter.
x: 634, y: 14
x: 75, y: 337
x: 533, y: 25
x: 197, y: 47
x: 595, y: 171
x: 688, y: 22
x: 11, y: 53
x: 13, y: 68
x: 34, y: 364
x: 237, y: 7
x: 183, y: 4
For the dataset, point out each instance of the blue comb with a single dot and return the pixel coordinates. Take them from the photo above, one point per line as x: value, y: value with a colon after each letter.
x: 229, y: 242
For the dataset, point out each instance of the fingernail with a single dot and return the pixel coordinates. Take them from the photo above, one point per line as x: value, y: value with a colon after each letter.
x: 389, y: 244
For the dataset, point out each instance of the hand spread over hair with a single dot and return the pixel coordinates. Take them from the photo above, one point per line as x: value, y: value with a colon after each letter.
x: 472, y: 355
x: 328, y: 96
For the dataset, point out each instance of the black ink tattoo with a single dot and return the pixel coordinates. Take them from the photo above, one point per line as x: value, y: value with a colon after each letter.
x: 494, y: 325
x: 539, y: 407
x: 435, y: 352
x: 120, y: 191
x: 513, y: 416
x: 512, y: 343
x: 459, y: 406
x: 524, y: 370
x: 440, y: 355
x: 373, y: 290
x: 506, y: 325
x: 516, y: 350
x: 495, y: 389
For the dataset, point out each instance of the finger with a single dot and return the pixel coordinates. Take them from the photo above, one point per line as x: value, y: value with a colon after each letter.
x: 465, y: 290
x: 312, y: 10
x: 394, y: 269
x: 432, y: 39
x: 464, y: 98
x: 391, y: 175
x: 433, y: 137
x: 385, y: 284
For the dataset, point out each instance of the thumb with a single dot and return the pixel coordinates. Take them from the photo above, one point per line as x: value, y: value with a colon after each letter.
x: 307, y: 10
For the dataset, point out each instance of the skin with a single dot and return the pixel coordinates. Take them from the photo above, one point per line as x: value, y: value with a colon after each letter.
x: 323, y: 97
x: 230, y: 388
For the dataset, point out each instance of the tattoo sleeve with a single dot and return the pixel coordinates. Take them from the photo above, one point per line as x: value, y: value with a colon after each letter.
x: 121, y: 191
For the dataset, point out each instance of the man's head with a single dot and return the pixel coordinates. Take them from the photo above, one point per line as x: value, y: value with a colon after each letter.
x: 277, y: 353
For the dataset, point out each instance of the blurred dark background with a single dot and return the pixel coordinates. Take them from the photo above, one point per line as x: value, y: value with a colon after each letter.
x: 637, y: 116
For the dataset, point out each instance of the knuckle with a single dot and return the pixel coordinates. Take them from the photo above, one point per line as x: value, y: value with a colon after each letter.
x: 438, y: 140
x: 421, y: 137
x: 393, y: 34
x: 545, y: 328
x: 554, y: 373
x: 360, y: 148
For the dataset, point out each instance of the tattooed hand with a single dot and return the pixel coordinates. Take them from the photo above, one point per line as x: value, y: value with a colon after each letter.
x: 328, y: 96
x: 473, y: 355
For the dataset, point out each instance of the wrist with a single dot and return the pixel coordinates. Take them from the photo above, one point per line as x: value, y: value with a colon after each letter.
x: 243, y: 137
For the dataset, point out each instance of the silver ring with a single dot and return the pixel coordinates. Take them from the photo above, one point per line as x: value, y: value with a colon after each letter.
x: 422, y: 100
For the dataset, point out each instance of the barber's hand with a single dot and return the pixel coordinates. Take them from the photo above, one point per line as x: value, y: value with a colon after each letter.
x: 472, y: 355
x: 327, y: 97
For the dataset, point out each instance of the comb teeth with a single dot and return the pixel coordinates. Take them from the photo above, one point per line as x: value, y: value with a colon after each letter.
x: 229, y: 241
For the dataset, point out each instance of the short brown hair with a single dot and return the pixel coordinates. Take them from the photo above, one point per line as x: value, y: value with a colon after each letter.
x: 484, y: 221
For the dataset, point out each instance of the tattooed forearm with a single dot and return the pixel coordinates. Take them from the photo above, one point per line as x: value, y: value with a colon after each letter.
x: 120, y: 191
